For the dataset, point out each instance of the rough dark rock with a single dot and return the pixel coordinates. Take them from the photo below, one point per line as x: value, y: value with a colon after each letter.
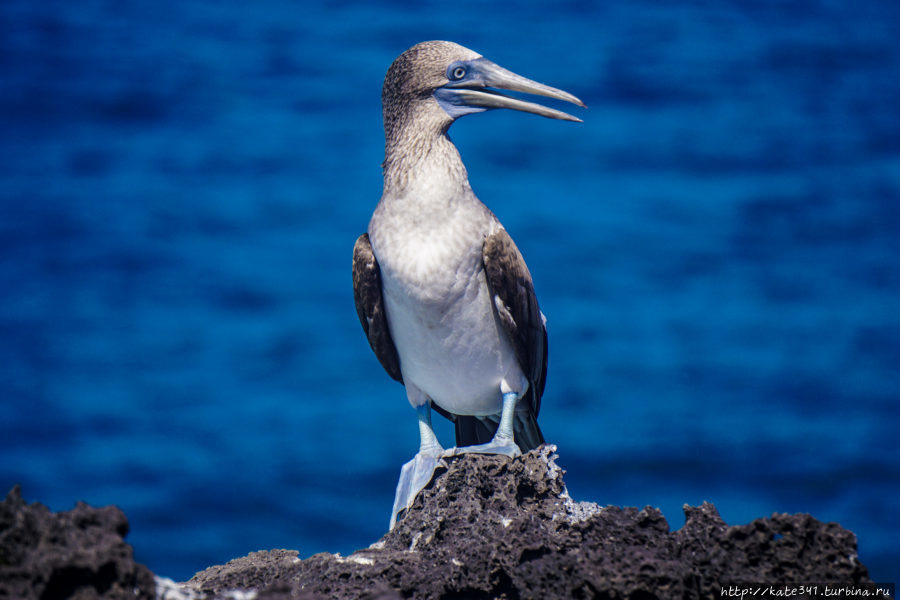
x: 74, y: 554
x: 491, y: 527
x: 487, y: 527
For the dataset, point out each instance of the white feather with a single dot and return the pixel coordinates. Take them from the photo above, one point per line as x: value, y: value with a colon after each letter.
x: 428, y: 242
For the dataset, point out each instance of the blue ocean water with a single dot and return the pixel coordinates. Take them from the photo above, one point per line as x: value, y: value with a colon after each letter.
x: 716, y: 250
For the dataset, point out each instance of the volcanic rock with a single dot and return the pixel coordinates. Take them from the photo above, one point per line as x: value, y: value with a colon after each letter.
x: 75, y: 554
x: 494, y: 527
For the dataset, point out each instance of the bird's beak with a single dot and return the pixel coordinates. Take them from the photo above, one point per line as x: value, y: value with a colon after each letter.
x: 471, y: 93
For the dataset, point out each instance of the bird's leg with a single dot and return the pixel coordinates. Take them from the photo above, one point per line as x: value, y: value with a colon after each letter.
x: 416, y: 474
x: 503, y: 441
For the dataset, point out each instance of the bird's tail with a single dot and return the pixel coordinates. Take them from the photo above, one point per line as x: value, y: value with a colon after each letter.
x: 471, y: 431
x: 527, y: 433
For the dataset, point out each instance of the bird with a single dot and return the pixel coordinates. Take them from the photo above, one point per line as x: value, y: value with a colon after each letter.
x: 442, y: 292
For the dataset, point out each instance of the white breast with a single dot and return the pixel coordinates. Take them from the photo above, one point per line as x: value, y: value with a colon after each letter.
x: 439, y: 308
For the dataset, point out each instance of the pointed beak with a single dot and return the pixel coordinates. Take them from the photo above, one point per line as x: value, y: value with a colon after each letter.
x: 472, y: 94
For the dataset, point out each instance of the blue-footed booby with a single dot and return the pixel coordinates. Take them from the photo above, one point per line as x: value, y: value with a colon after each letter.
x: 441, y: 290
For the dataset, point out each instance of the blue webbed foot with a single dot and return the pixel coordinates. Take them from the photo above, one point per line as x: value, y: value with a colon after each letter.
x: 414, y: 476
x: 506, y: 447
x: 503, y: 442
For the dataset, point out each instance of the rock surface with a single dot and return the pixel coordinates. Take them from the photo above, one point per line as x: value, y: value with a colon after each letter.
x: 487, y: 527
x: 79, y: 553
x: 491, y: 527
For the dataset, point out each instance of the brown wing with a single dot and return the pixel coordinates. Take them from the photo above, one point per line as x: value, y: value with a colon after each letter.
x: 517, y: 307
x: 370, y: 306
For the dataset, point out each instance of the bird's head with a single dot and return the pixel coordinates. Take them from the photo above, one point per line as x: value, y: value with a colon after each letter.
x: 458, y: 81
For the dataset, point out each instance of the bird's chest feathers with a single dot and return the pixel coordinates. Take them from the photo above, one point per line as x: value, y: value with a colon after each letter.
x: 428, y: 245
x: 432, y: 263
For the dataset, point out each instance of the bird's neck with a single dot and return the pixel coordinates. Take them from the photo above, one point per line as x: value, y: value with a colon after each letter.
x: 419, y: 152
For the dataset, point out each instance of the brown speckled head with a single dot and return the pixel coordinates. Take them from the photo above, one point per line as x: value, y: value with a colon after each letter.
x: 420, y: 70
x: 434, y: 83
x: 414, y: 76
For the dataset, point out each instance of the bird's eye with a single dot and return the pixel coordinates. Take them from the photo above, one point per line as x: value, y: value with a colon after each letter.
x: 457, y: 72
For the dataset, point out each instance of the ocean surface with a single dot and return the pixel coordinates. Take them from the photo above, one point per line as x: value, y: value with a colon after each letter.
x: 716, y: 248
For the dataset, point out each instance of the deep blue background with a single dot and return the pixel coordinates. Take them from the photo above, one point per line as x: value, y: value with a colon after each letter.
x: 716, y: 249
